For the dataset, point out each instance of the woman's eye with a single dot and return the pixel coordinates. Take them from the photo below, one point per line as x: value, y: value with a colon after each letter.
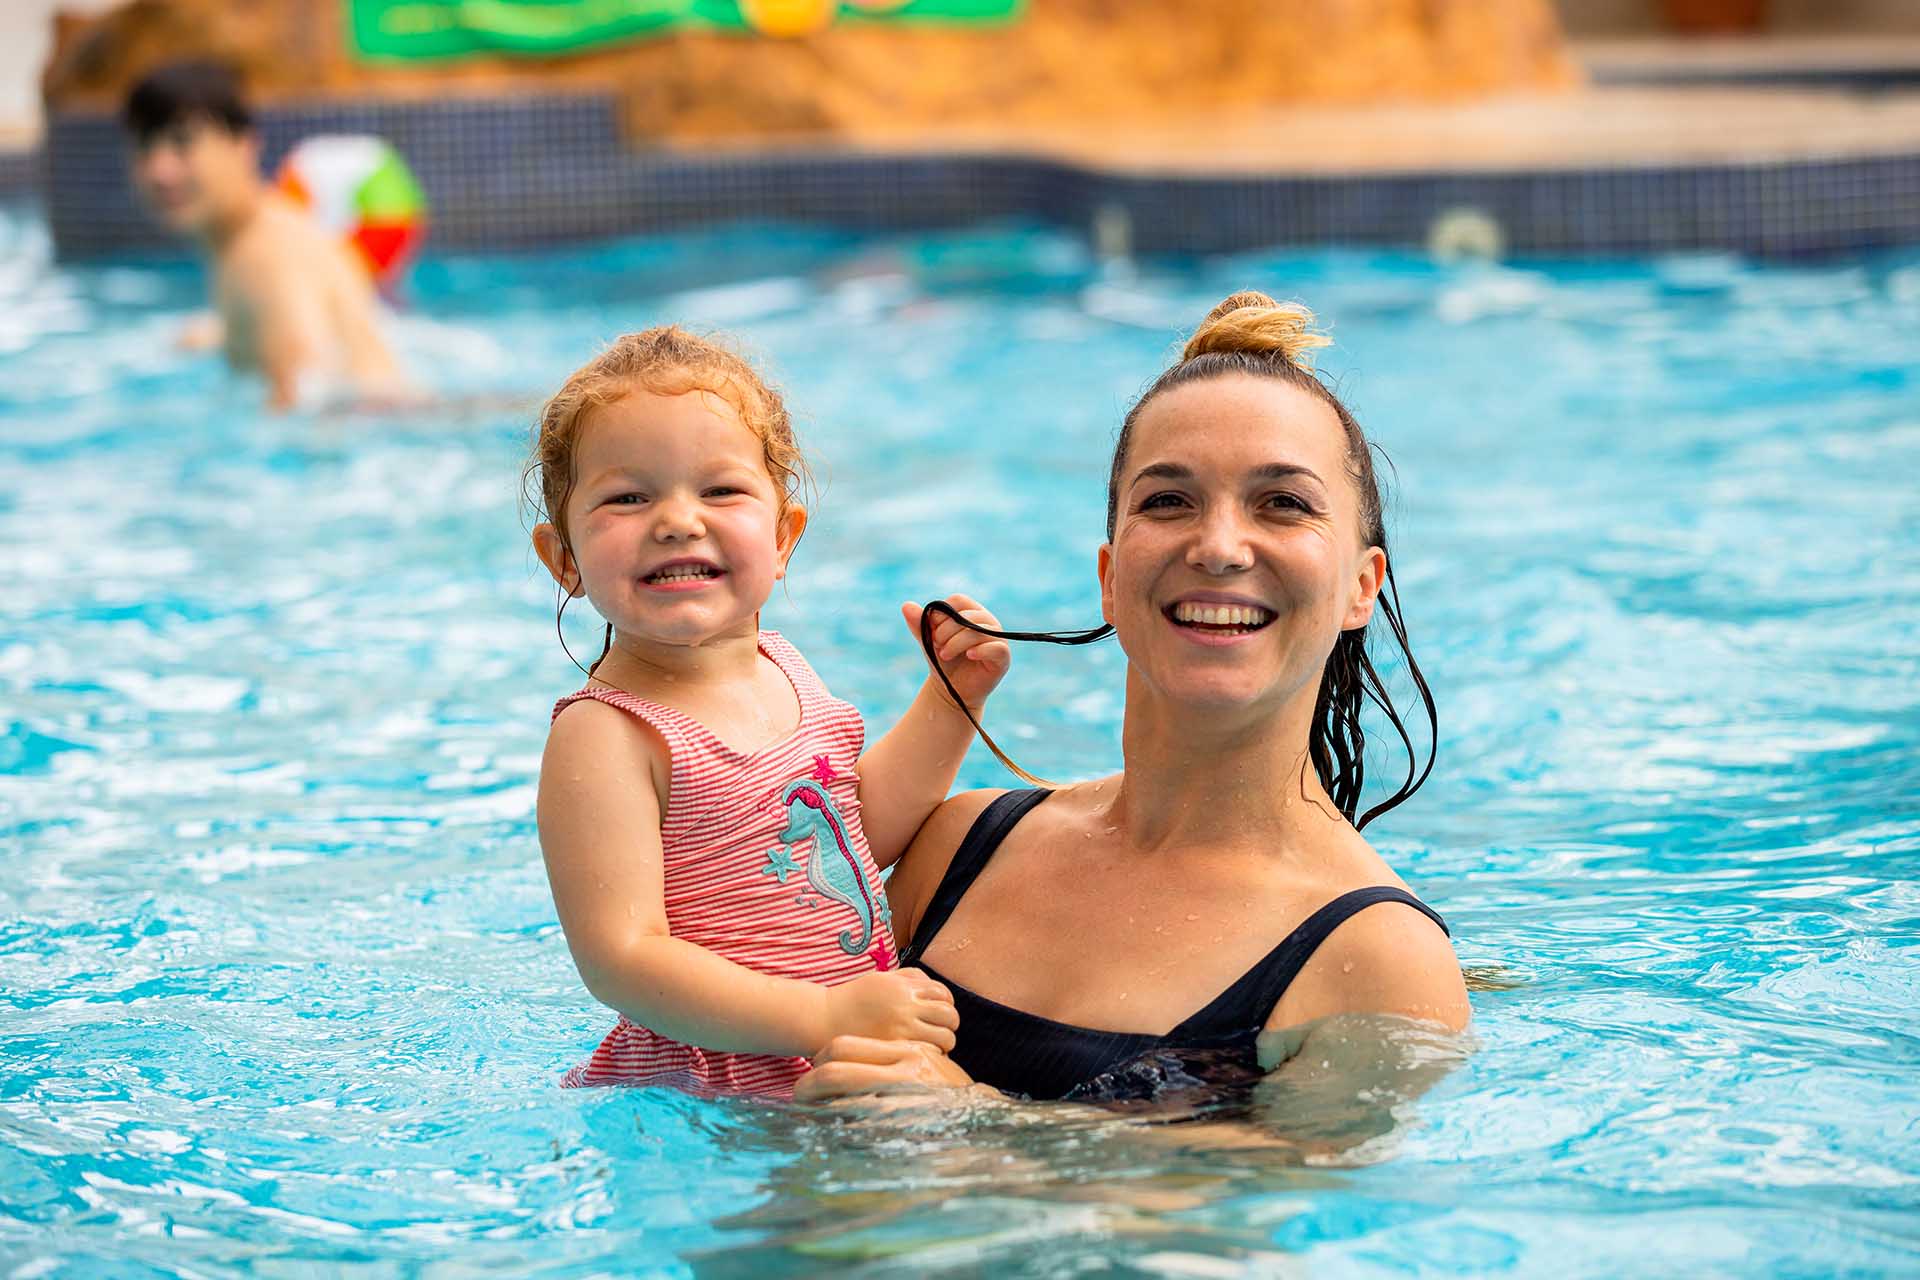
x: 1163, y: 502
x: 1287, y: 502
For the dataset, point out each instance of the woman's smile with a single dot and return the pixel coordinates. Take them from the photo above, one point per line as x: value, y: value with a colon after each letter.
x: 1214, y: 618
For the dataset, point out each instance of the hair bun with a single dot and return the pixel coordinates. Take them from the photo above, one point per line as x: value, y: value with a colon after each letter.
x: 1251, y: 323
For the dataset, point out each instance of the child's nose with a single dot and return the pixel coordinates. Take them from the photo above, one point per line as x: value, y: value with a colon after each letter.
x: 677, y: 519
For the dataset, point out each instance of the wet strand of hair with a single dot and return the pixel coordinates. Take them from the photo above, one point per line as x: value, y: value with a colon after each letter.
x: 1342, y: 768
x: 941, y: 609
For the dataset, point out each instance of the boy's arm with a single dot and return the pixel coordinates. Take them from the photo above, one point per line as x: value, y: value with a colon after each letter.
x: 288, y: 320
x: 908, y: 772
x: 600, y: 834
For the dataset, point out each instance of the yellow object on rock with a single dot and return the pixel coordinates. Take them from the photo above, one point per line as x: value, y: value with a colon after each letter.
x: 789, y: 18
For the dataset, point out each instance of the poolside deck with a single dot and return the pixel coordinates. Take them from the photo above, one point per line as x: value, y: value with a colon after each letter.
x: 1602, y: 125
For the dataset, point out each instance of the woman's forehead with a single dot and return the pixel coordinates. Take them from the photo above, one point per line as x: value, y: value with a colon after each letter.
x: 1238, y: 419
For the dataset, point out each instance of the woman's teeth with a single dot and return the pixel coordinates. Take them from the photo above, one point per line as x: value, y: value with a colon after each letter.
x: 1222, y: 615
x: 683, y: 573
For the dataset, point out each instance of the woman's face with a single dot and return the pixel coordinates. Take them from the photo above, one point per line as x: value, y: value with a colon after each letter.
x: 1237, y: 555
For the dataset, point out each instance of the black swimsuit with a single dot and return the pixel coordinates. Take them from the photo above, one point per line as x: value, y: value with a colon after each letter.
x: 1026, y: 1054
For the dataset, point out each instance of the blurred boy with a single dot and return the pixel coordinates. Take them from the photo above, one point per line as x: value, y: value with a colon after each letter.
x: 292, y: 302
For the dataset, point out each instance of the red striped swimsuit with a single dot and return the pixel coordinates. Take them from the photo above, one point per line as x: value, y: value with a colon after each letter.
x: 765, y: 865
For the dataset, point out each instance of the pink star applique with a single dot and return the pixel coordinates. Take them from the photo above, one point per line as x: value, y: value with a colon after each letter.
x: 823, y: 770
x: 881, y: 956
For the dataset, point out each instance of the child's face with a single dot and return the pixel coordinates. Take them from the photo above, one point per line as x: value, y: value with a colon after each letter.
x: 677, y: 531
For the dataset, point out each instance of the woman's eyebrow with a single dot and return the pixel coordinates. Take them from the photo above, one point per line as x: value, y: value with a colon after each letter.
x: 1284, y: 471
x: 1266, y: 471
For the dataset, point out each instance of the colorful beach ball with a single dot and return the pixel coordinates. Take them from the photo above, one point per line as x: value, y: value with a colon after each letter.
x: 358, y: 187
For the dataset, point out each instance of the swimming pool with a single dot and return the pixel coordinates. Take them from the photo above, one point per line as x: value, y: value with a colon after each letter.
x: 280, y: 984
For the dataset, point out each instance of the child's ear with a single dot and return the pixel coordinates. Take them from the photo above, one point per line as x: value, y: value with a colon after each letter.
x: 786, y: 535
x: 553, y: 553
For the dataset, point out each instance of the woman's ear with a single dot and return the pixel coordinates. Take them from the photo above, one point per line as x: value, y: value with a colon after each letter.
x: 553, y: 553
x: 786, y: 535
x: 1104, y: 567
x: 1373, y: 573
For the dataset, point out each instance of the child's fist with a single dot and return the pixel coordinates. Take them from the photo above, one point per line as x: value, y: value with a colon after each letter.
x: 899, y: 1004
x: 976, y: 664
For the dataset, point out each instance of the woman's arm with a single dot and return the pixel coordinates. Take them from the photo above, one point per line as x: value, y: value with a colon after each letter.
x: 907, y: 773
x: 601, y: 783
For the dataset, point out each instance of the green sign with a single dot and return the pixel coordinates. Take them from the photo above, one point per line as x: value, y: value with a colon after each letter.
x: 410, y: 30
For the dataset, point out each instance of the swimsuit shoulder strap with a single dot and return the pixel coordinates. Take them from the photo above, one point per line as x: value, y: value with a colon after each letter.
x: 969, y: 860
x: 1249, y: 1002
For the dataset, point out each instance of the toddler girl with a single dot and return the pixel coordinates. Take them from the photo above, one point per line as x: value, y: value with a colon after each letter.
x: 713, y: 831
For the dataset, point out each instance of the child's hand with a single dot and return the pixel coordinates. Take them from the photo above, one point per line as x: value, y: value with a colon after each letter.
x: 975, y: 663
x: 902, y: 1004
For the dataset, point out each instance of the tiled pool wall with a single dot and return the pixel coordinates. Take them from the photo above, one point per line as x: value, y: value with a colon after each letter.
x: 506, y: 173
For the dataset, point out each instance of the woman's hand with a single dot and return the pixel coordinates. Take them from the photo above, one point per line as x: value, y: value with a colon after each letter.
x: 851, y: 1065
x: 975, y: 663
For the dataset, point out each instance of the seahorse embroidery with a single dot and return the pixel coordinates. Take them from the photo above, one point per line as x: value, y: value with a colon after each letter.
x: 833, y: 868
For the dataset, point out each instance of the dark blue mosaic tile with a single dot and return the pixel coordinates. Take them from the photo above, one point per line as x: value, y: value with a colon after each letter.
x: 522, y: 172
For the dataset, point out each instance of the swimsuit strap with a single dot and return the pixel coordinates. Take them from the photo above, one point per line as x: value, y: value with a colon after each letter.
x: 969, y: 860
x: 1250, y: 1001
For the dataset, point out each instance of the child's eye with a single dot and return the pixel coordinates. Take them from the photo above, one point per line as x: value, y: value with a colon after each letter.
x: 722, y: 491
x: 627, y: 499
x: 1166, y: 501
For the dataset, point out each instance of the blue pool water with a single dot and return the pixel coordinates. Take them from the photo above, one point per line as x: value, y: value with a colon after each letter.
x: 280, y: 983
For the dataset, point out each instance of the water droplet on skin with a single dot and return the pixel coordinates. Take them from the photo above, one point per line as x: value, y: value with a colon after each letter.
x: 1193, y: 915
x: 1347, y: 967
x: 963, y: 944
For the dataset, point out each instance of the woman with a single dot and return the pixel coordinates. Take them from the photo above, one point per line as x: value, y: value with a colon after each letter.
x: 1222, y: 870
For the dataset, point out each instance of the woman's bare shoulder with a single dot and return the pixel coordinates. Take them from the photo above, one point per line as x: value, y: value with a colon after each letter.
x: 1389, y: 958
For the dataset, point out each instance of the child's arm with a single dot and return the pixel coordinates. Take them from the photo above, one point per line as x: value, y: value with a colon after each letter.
x: 906, y: 774
x: 601, y: 783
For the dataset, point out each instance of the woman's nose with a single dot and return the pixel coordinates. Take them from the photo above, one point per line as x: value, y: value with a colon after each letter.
x: 1221, y: 544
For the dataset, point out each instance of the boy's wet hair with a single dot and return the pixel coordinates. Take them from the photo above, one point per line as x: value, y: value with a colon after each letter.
x: 177, y: 92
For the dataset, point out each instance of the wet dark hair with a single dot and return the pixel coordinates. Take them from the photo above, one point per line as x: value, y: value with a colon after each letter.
x: 180, y: 91
x: 1249, y: 333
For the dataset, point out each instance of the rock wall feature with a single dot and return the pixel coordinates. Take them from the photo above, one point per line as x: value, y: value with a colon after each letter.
x: 1111, y: 61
